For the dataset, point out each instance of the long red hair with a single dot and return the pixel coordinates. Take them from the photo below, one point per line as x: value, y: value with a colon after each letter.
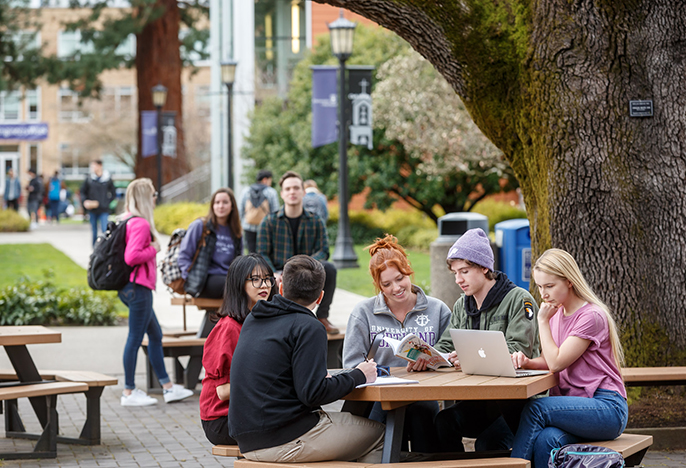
x: 387, y: 253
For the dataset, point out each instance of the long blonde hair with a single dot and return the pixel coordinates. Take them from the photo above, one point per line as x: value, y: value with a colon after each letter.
x: 139, y: 202
x: 560, y: 263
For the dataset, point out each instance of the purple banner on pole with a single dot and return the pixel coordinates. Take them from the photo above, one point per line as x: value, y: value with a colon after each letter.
x: 324, y: 105
x: 149, y: 133
x: 25, y: 131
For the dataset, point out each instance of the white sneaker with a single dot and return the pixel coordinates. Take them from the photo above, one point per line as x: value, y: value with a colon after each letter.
x: 138, y: 398
x: 176, y: 393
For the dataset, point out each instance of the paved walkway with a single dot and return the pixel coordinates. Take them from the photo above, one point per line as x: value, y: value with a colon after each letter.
x: 162, y: 435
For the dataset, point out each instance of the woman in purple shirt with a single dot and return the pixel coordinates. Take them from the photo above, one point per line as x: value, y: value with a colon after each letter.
x: 223, y: 242
x: 579, y: 342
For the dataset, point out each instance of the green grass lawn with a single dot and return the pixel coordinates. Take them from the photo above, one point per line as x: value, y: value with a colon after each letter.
x: 358, y: 280
x: 33, y: 260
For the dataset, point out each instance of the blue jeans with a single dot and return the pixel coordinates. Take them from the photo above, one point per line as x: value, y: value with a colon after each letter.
x: 54, y: 209
x: 98, y: 218
x: 418, y: 428
x: 551, y: 422
x: 142, y: 320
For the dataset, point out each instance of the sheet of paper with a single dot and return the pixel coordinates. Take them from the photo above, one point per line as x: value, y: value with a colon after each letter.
x: 389, y: 381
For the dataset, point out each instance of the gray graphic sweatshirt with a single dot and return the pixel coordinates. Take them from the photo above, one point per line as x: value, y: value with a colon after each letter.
x: 428, y: 319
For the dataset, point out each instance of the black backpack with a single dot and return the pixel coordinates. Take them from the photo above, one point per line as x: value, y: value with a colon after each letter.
x: 107, y: 270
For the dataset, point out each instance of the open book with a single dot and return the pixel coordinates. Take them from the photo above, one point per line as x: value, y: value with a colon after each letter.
x: 411, y: 348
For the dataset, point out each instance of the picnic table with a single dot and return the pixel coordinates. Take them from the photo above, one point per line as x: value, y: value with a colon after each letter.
x: 444, y: 384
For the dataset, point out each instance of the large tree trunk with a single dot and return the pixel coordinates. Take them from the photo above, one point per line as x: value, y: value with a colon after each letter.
x: 549, y: 82
x: 158, y: 61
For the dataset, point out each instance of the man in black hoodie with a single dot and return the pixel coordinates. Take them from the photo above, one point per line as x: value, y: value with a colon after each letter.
x: 279, y: 381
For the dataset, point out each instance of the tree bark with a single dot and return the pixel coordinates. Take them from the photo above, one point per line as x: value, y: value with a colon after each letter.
x: 549, y: 82
x: 158, y: 61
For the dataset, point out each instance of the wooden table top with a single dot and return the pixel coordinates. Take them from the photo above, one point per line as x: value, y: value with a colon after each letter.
x: 450, y: 384
x: 29, y: 334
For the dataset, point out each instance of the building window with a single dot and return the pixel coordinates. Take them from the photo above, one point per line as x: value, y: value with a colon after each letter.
x: 69, y: 44
x: 118, y: 100
x: 74, y: 164
x: 202, y: 101
x: 9, y: 105
x: 279, y: 44
x: 34, y: 159
x: 70, y: 110
x: 32, y: 104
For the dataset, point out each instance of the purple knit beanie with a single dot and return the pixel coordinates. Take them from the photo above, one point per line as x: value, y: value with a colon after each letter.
x: 474, y: 246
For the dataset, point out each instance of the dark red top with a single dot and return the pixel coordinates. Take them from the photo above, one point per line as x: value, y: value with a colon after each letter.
x: 216, y: 359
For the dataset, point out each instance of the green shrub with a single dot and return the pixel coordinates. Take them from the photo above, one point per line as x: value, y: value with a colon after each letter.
x: 412, y: 228
x: 170, y: 216
x: 11, y: 221
x: 28, y: 302
x: 498, y: 211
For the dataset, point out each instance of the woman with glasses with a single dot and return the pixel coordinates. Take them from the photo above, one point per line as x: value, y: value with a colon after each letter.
x: 142, y: 245
x: 249, y: 280
x: 210, y: 245
x: 399, y: 308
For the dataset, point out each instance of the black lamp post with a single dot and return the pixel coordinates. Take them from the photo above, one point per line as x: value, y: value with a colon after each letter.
x: 228, y: 78
x: 342, y: 32
x: 159, y: 97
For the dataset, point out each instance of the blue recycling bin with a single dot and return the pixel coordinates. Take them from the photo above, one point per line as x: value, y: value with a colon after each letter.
x: 513, y: 239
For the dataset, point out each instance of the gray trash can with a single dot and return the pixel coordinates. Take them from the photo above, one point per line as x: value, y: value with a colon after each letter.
x: 450, y: 228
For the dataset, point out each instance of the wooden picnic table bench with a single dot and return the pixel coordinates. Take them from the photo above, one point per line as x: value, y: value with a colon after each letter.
x: 175, y: 348
x: 46, y: 445
x: 632, y: 447
x: 96, y: 383
x: 653, y: 376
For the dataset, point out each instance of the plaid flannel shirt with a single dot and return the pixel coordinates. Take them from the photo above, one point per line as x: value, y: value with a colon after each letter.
x: 275, y: 241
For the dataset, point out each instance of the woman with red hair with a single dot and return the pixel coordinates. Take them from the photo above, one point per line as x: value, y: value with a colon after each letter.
x: 399, y: 308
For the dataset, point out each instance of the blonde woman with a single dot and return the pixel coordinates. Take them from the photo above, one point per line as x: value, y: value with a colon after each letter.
x: 579, y: 342
x: 142, y: 246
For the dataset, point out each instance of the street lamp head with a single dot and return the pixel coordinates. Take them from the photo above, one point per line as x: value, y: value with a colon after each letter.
x: 342, y: 32
x: 159, y: 95
x: 229, y: 71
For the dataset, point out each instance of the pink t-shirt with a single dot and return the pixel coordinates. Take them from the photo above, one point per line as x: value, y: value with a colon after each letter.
x: 140, y: 253
x: 596, y: 367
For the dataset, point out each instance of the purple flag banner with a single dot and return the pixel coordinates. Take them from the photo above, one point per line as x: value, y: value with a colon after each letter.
x: 324, y: 105
x: 149, y: 133
x: 24, y: 131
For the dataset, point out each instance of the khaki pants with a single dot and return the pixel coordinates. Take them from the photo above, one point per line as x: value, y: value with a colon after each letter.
x: 337, y: 436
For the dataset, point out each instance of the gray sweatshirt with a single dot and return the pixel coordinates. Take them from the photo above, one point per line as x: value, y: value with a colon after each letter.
x: 428, y: 319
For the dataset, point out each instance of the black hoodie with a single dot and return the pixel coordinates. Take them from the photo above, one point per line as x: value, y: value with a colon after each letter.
x: 278, y: 375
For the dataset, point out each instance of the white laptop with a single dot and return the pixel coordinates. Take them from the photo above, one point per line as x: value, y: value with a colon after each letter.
x: 484, y: 352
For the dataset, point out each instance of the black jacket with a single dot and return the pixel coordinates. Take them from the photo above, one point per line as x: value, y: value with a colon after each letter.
x: 278, y: 375
x: 99, y: 189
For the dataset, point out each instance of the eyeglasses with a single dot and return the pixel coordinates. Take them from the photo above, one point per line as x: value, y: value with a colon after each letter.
x: 257, y: 282
x: 155, y: 195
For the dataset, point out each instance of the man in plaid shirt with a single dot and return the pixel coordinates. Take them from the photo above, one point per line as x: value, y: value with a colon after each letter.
x: 294, y: 231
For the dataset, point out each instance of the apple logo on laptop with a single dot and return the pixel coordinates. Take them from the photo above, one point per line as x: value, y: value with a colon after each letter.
x: 482, y: 353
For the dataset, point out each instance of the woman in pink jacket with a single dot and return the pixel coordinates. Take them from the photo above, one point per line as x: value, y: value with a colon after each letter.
x: 142, y: 246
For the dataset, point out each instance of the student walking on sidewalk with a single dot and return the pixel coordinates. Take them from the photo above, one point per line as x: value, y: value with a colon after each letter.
x: 142, y: 245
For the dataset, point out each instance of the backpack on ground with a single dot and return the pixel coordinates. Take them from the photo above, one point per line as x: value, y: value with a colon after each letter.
x: 169, y: 266
x: 107, y: 270
x: 585, y: 456
x: 256, y: 206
